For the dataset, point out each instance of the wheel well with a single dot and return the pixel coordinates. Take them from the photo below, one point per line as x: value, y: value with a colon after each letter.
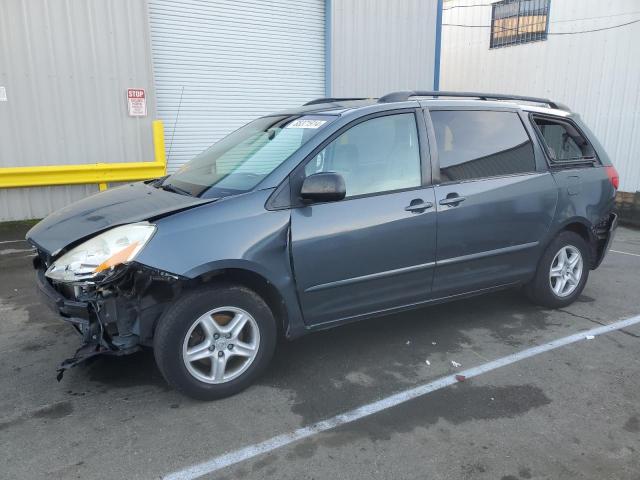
x: 582, y: 230
x: 255, y: 282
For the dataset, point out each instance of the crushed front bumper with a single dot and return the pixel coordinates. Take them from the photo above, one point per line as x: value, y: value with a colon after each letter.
x: 115, y: 316
x: 70, y: 310
x: 83, y: 318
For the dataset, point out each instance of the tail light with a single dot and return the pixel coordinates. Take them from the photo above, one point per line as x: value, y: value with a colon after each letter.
x: 614, y: 178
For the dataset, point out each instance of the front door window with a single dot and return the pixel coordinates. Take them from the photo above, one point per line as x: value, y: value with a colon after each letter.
x: 377, y: 155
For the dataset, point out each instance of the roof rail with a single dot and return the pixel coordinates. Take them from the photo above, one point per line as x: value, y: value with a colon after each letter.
x: 330, y: 99
x: 405, y: 95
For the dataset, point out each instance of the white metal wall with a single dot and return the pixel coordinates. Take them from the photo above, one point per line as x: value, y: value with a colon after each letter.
x: 596, y: 74
x: 66, y: 65
x: 231, y: 62
x: 379, y: 46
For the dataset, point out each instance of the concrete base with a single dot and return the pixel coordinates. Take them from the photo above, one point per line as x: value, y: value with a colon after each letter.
x: 628, y: 204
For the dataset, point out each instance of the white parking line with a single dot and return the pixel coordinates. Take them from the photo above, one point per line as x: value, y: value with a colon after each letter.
x: 246, y: 453
x: 625, y: 253
x: 12, y: 241
x: 10, y: 251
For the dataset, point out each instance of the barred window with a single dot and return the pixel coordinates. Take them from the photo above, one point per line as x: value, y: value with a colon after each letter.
x: 519, y: 21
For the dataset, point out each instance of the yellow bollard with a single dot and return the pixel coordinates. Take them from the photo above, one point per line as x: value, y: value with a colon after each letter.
x: 158, y: 143
x: 101, y: 173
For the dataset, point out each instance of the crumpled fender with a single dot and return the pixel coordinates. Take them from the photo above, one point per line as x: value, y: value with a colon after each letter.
x: 235, y: 232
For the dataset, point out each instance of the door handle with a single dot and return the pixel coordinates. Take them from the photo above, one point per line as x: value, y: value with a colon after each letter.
x: 452, y: 201
x: 418, y: 206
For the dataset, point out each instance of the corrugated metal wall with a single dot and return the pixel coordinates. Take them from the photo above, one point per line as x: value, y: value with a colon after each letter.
x: 597, y: 74
x: 231, y: 62
x: 66, y: 65
x: 380, y: 46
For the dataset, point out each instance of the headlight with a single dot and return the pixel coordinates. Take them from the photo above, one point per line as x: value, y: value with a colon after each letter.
x: 102, y: 253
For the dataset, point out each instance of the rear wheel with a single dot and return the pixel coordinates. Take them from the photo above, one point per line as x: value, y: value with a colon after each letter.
x: 214, y: 342
x: 562, y: 272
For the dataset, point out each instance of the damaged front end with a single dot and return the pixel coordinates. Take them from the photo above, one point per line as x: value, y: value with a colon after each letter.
x: 113, y: 310
x: 114, y: 316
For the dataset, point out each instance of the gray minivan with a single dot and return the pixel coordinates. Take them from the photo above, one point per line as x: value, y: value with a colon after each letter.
x: 340, y: 210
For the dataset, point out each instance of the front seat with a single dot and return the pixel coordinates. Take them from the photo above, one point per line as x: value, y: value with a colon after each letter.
x: 345, y: 162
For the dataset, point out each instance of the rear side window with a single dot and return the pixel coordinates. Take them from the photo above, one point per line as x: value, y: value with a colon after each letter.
x: 563, y: 141
x: 480, y: 144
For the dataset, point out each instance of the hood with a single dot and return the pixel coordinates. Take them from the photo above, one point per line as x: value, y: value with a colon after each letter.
x: 118, y: 206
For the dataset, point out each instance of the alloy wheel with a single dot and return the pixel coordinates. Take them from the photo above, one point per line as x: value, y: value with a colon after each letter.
x: 221, y: 345
x: 566, y: 271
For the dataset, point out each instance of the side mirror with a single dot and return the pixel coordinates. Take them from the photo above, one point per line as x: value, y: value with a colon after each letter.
x: 323, y: 187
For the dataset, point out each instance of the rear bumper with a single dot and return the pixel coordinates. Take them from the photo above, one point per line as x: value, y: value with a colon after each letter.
x: 606, y: 245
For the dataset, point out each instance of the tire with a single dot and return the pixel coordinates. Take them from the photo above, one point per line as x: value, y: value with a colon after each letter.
x: 194, y: 328
x: 547, y: 292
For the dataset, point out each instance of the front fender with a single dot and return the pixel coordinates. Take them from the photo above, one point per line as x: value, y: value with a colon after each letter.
x: 225, y: 264
x: 233, y: 233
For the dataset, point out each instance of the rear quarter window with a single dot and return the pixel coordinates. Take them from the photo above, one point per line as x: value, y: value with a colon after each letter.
x: 563, y: 141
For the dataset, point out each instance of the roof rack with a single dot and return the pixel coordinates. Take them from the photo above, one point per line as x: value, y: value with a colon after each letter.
x: 405, y: 95
x: 330, y: 99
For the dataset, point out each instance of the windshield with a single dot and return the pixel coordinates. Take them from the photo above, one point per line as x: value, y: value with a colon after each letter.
x: 238, y: 162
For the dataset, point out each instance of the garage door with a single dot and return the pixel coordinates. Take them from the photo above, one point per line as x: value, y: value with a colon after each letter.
x: 218, y: 65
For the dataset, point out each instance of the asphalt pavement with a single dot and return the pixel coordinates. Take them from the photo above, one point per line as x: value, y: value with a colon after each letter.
x: 572, y: 412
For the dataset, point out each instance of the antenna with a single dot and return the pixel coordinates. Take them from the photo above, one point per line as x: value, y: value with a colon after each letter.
x: 173, y: 132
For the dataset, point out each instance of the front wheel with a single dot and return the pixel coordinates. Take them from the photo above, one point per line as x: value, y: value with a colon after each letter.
x: 562, y: 272
x: 212, y: 343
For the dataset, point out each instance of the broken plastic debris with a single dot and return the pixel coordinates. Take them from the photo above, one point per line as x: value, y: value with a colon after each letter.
x: 427, y: 362
x: 590, y: 337
x: 455, y: 364
x: 461, y: 378
x: 433, y: 343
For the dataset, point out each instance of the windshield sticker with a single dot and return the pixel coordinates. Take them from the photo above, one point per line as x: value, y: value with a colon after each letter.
x: 300, y: 123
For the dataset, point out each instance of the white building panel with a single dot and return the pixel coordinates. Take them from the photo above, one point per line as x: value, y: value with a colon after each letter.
x: 66, y: 66
x: 596, y: 74
x: 379, y: 46
x: 219, y: 65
